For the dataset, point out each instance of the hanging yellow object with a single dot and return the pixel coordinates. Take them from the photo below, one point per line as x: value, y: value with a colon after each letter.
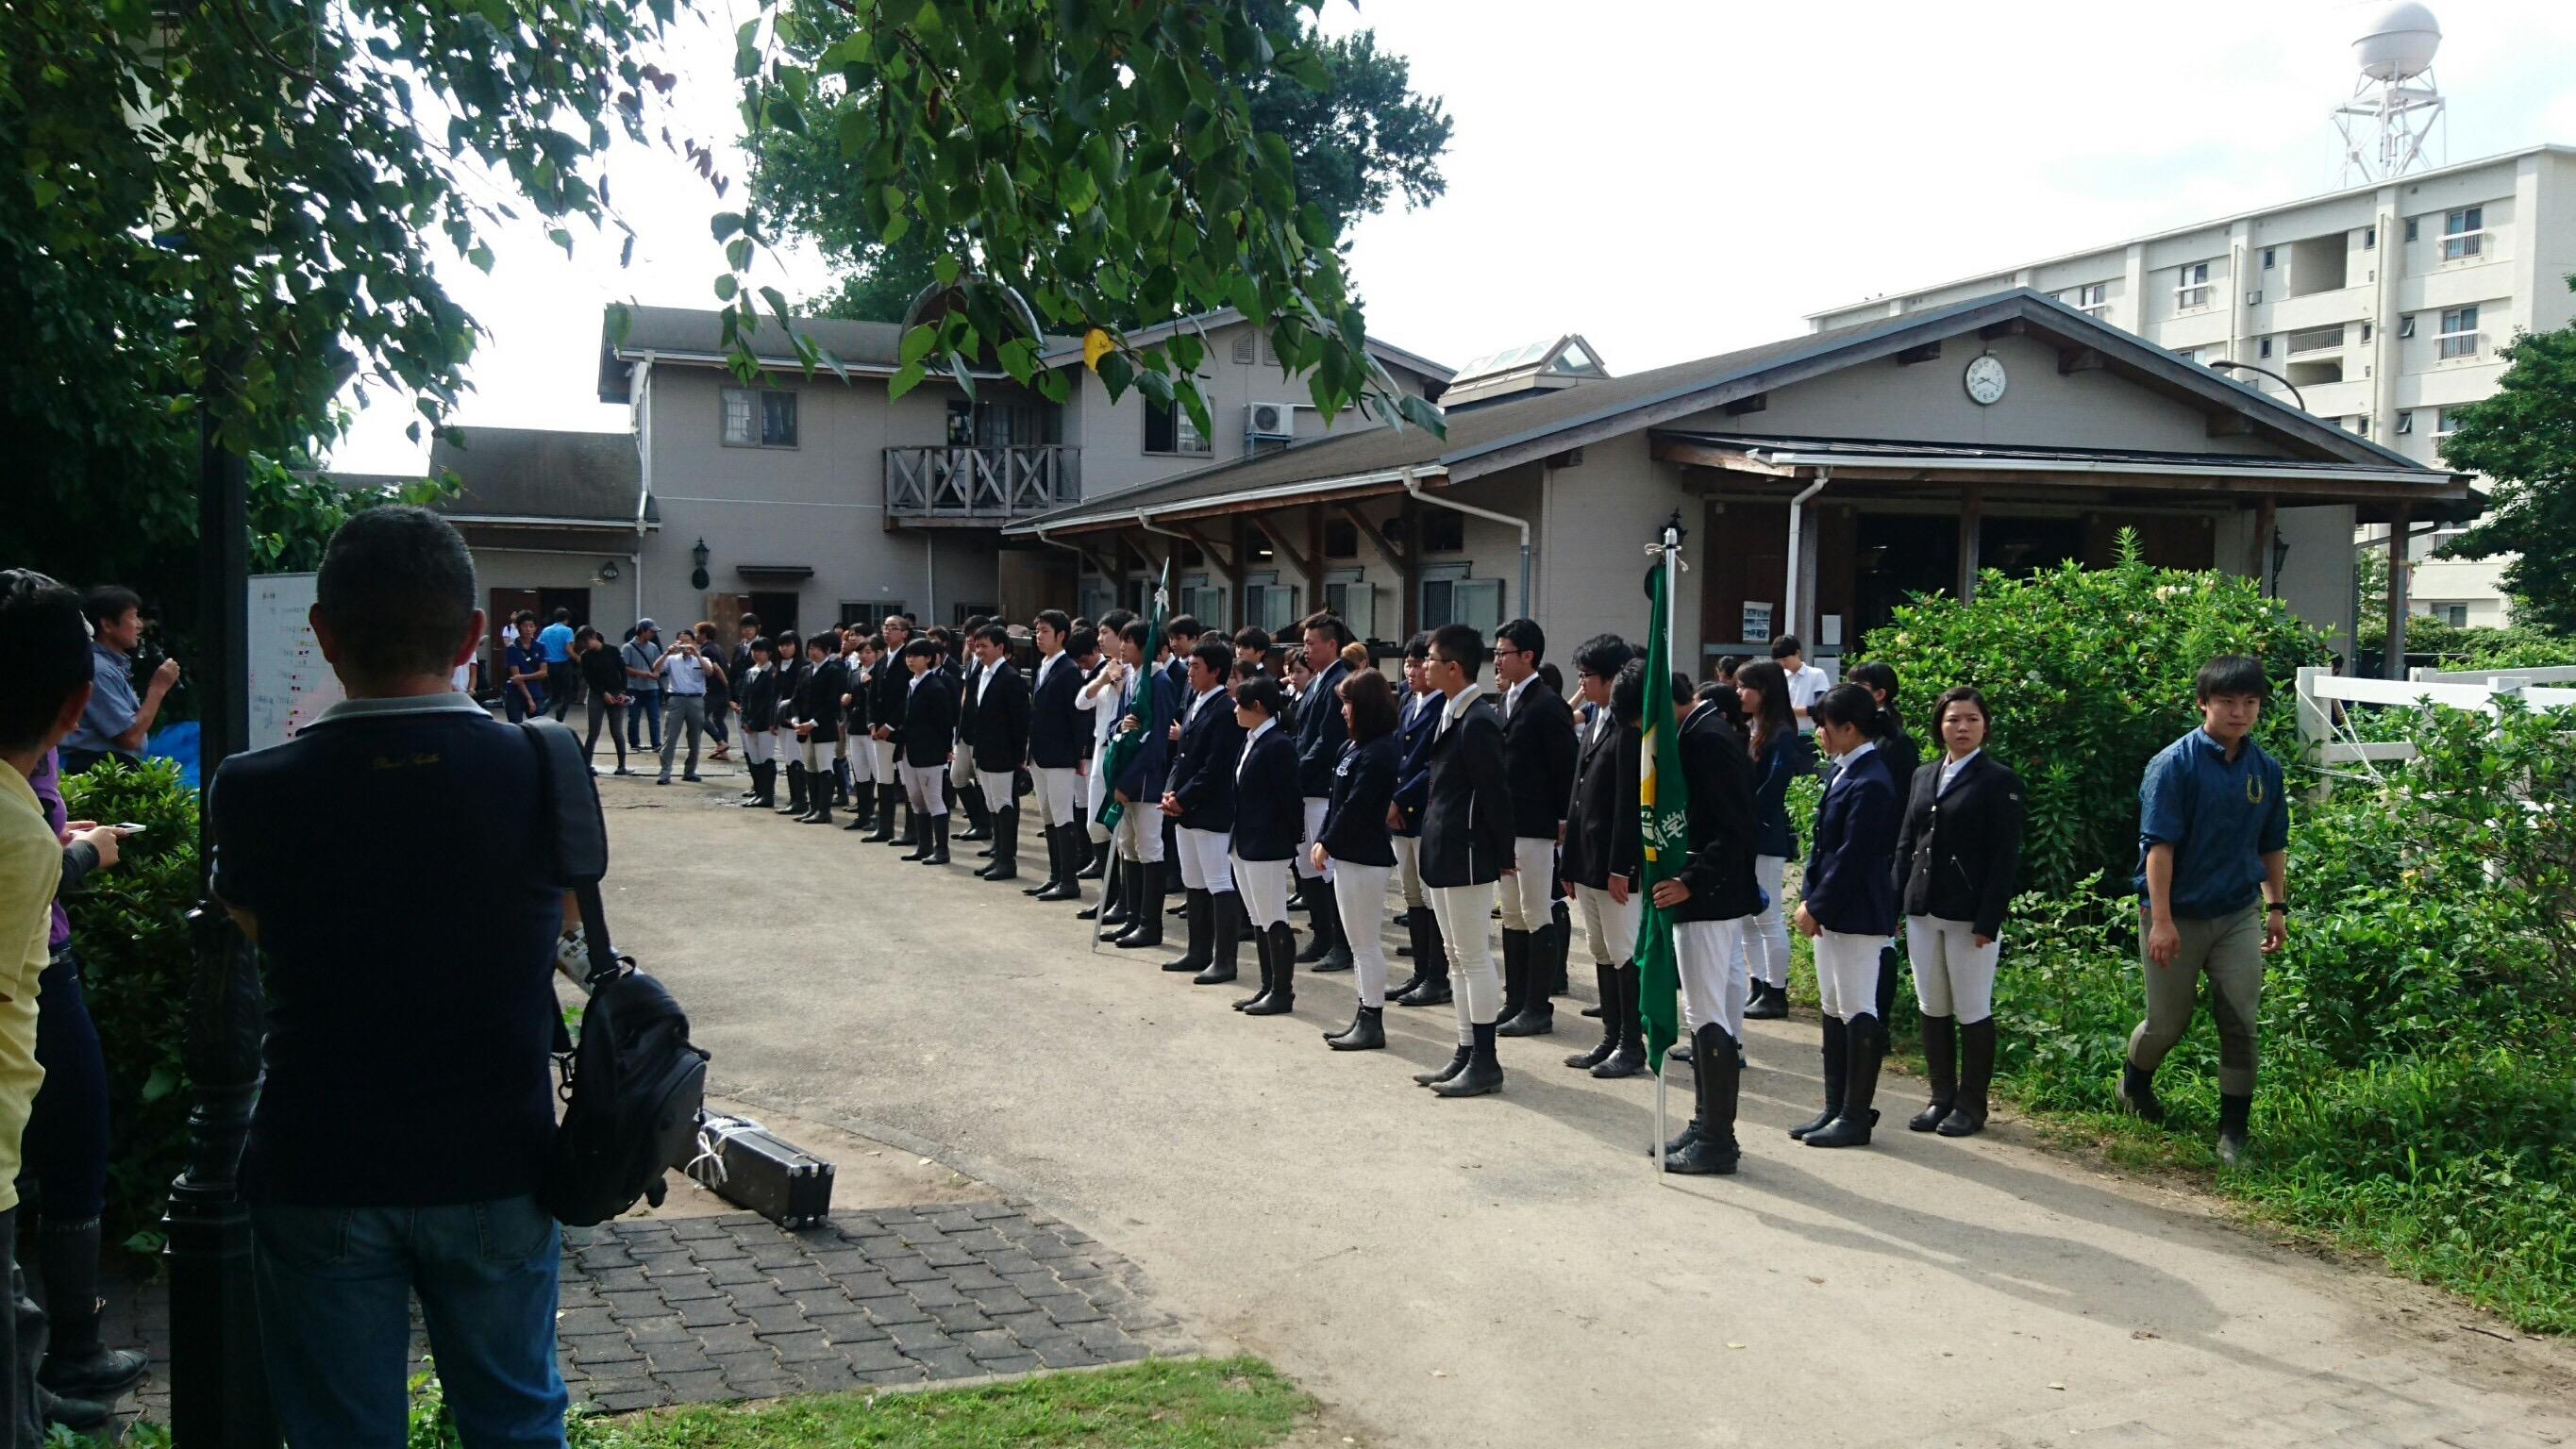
x: 1095, y: 346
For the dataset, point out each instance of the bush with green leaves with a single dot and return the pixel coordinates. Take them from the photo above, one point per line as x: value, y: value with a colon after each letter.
x: 2088, y: 673
x: 129, y: 924
x: 2414, y: 1099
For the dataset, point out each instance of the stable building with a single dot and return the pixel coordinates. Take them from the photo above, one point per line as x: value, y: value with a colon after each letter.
x: 1821, y: 479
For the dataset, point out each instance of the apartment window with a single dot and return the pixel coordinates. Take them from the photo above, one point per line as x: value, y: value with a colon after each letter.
x: 2460, y: 332
x: 2455, y: 615
x: 2366, y: 330
x: 2359, y: 426
x: 1168, y: 429
x: 2267, y: 258
x: 2410, y: 227
x: 2463, y: 232
x: 2191, y: 288
x: 759, y: 418
x: 2092, y: 299
x: 2369, y: 238
x: 1443, y: 531
x: 2263, y: 348
x: 2405, y: 423
x: 1244, y: 346
x: 2406, y: 326
x: 1355, y: 601
x: 2446, y: 421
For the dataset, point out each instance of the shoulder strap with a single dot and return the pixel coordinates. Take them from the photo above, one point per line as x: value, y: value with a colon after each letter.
x: 569, y: 806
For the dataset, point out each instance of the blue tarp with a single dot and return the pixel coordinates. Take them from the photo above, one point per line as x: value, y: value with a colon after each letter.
x: 178, y: 742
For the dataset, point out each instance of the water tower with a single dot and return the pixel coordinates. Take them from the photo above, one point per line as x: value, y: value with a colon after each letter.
x: 2395, y: 102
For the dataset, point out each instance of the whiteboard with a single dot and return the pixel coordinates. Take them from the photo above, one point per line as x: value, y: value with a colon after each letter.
x: 290, y: 683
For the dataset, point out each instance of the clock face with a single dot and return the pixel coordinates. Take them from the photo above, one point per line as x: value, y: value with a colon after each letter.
x: 1985, y: 379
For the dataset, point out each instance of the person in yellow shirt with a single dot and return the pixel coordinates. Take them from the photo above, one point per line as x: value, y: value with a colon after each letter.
x: 42, y: 633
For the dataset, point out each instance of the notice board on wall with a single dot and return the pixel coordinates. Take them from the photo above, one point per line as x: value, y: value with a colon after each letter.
x: 290, y: 683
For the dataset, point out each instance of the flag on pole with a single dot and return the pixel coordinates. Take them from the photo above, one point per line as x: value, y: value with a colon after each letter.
x: 1148, y: 708
x: 1663, y: 806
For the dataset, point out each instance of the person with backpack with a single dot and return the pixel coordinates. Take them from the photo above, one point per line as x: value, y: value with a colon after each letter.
x: 406, y: 1123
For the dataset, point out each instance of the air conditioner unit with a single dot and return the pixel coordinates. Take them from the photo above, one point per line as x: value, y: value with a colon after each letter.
x: 1270, y: 422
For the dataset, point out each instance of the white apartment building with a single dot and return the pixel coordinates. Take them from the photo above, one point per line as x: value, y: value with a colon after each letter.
x: 2382, y: 306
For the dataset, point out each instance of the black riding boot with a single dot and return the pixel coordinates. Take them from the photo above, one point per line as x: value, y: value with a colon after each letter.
x: 863, y: 806
x: 818, y: 793
x: 1077, y: 854
x: 1409, y: 918
x: 1606, y: 978
x: 979, y: 815
x: 1281, y: 998
x: 1837, y: 1051
x: 1006, y: 845
x: 1455, y: 1065
x: 1118, y: 904
x: 796, y: 788
x: 1976, y: 1073
x: 1265, y: 954
x: 1768, y: 1003
x: 938, y: 840
x: 1328, y: 929
x: 1096, y: 856
x: 889, y: 800
x: 2138, y: 1094
x: 1628, y: 1058
x: 1711, y: 1151
x: 1202, y: 932
x: 1537, y: 1016
x: 1052, y: 837
x: 1225, y: 938
x: 1561, y: 915
x: 1868, y: 1049
x: 1145, y: 928
x: 77, y: 1365
x: 1366, y: 1033
x: 1483, y: 1073
x: 918, y: 837
x: 1431, y: 956
x: 1516, y: 970
x: 1940, y: 1069
x: 1321, y: 920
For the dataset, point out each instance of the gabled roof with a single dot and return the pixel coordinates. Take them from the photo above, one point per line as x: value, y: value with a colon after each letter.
x: 533, y: 476
x: 1487, y: 440
x: 1069, y: 348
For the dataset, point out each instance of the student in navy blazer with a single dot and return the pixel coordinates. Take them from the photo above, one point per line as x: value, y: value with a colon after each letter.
x: 1268, y: 823
x: 1419, y: 721
x: 1320, y: 737
x: 1199, y: 800
x: 1357, y: 843
x: 1781, y: 754
x: 1058, y: 733
x: 1466, y: 843
x: 1849, y: 911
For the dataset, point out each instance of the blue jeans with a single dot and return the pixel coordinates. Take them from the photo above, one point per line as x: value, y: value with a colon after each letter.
x: 334, y: 1307
x: 641, y: 706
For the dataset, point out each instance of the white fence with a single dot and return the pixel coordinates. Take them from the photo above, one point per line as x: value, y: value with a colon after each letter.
x: 2326, y: 699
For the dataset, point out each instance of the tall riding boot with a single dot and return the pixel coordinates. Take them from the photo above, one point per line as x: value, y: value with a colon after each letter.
x: 77, y: 1365
x: 889, y: 800
x: 1052, y: 837
x: 841, y: 781
x: 1606, y: 978
x: 979, y: 813
x: 796, y: 788
x: 1095, y: 863
x: 1563, y: 918
x: 751, y: 792
x: 1321, y: 918
x: 1411, y: 920
x: 1172, y: 873
x: 863, y: 806
x: 1265, y: 952
x: 1712, y: 1151
x: 1537, y: 1016
x: 1628, y: 1058
x: 1202, y: 931
x: 1328, y: 928
x: 1111, y: 909
x: 1868, y: 1049
x: 818, y: 793
x: 919, y: 838
x: 1837, y: 1051
x: 1482, y: 1074
x: 938, y: 840
x: 1076, y: 849
x: 1145, y: 928
x: 2234, y: 1115
x: 1976, y: 1073
x: 1432, y: 955
x: 1282, y: 996
x: 1516, y: 970
x: 1225, y: 938
x: 1006, y: 845
x: 1941, y: 1069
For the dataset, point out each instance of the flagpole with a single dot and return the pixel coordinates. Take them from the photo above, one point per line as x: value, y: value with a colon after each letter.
x: 1671, y: 548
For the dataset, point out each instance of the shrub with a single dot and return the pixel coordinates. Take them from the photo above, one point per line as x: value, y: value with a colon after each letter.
x: 130, y: 927
x: 2089, y: 673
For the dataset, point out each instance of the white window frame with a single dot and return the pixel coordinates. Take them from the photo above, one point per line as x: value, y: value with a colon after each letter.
x: 2093, y: 299
x: 1184, y: 430
x: 2456, y: 340
x: 2191, y: 287
x: 758, y: 399
x: 2405, y: 421
x: 2444, y: 425
x: 2464, y: 233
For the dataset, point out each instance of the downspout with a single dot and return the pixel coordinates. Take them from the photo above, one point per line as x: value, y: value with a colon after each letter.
x: 1413, y: 487
x: 644, y: 470
x: 1797, y: 560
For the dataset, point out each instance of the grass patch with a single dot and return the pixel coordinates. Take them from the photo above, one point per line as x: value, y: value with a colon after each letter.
x: 1236, y: 1403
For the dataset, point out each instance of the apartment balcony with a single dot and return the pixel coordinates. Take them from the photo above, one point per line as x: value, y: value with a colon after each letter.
x: 978, y: 487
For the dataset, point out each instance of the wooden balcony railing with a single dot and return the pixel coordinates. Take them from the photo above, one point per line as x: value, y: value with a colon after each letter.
x: 947, y: 485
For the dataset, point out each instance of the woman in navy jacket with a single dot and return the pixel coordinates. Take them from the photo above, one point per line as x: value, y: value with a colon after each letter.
x: 1419, y: 716
x: 1269, y: 817
x: 1849, y: 910
x: 1780, y: 754
x: 1956, y: 860
x: 1356, y: 842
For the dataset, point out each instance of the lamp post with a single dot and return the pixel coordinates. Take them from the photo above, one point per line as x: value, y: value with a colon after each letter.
x: 2295, y: 395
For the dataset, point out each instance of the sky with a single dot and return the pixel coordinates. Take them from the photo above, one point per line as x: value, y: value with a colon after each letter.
x: 1671, y: 180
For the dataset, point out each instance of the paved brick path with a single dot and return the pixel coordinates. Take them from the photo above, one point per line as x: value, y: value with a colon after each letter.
x: 659, y: 1311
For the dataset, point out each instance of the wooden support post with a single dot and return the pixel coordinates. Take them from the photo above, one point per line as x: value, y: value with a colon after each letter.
x: 1410, y: 611
x: 2394, y: 665
x: 1972, y: 518
x: 1314, y: 558
x: 2258, y: 550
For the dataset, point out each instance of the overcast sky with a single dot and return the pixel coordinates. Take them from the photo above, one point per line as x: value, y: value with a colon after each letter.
x: 1676, y: 179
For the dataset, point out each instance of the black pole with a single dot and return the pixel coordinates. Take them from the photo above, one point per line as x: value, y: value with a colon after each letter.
x: 218, y: 1381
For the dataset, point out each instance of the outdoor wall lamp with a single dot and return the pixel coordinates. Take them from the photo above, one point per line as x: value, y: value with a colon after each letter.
x: 698, y: 556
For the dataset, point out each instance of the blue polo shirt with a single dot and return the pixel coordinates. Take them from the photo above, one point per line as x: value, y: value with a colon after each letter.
x: 112, y: 706
x: 2221, y: 816
x: 556, y: 640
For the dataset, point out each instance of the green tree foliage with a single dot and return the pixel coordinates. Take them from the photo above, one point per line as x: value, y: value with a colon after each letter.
x: 1358, y: 142
x: 1102, y: 162
x: 2089, y: 673
x: 2524, y: 438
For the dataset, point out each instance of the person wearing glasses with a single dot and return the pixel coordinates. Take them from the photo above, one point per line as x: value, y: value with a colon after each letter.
x: 1603, y: 850
x: 1538, y: 765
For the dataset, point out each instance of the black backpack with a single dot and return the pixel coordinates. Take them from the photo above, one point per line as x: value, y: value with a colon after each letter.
x: 634, y: 1086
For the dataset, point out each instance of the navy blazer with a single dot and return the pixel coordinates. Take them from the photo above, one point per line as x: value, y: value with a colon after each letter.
x: 818, y: 698
x: 886, y: 690
x: 929, y: 725
x: 1720, y: 820
x: 997, y: 729
x: 1413, y: 746
x: 1141, y: 779
x: 1603, y: 831
x: 1203, y: 765
x: 1851, y: 877
x: 1959, y: 854
x: 1269, y: 815
x: 1320, y: 732
x: 1467, y: 822
x: 1538, y: 752
x: 1059, y: 731
x: 1790, y: 757
x: 1355, y: 817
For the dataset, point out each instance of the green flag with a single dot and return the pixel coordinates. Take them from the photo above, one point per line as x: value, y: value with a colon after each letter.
x: 1663, y: 806
x: 1149, y: 708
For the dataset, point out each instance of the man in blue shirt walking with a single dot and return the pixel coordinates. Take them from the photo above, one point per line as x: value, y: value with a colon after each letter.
x: 562, y: 677
x: 2213, y: 878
